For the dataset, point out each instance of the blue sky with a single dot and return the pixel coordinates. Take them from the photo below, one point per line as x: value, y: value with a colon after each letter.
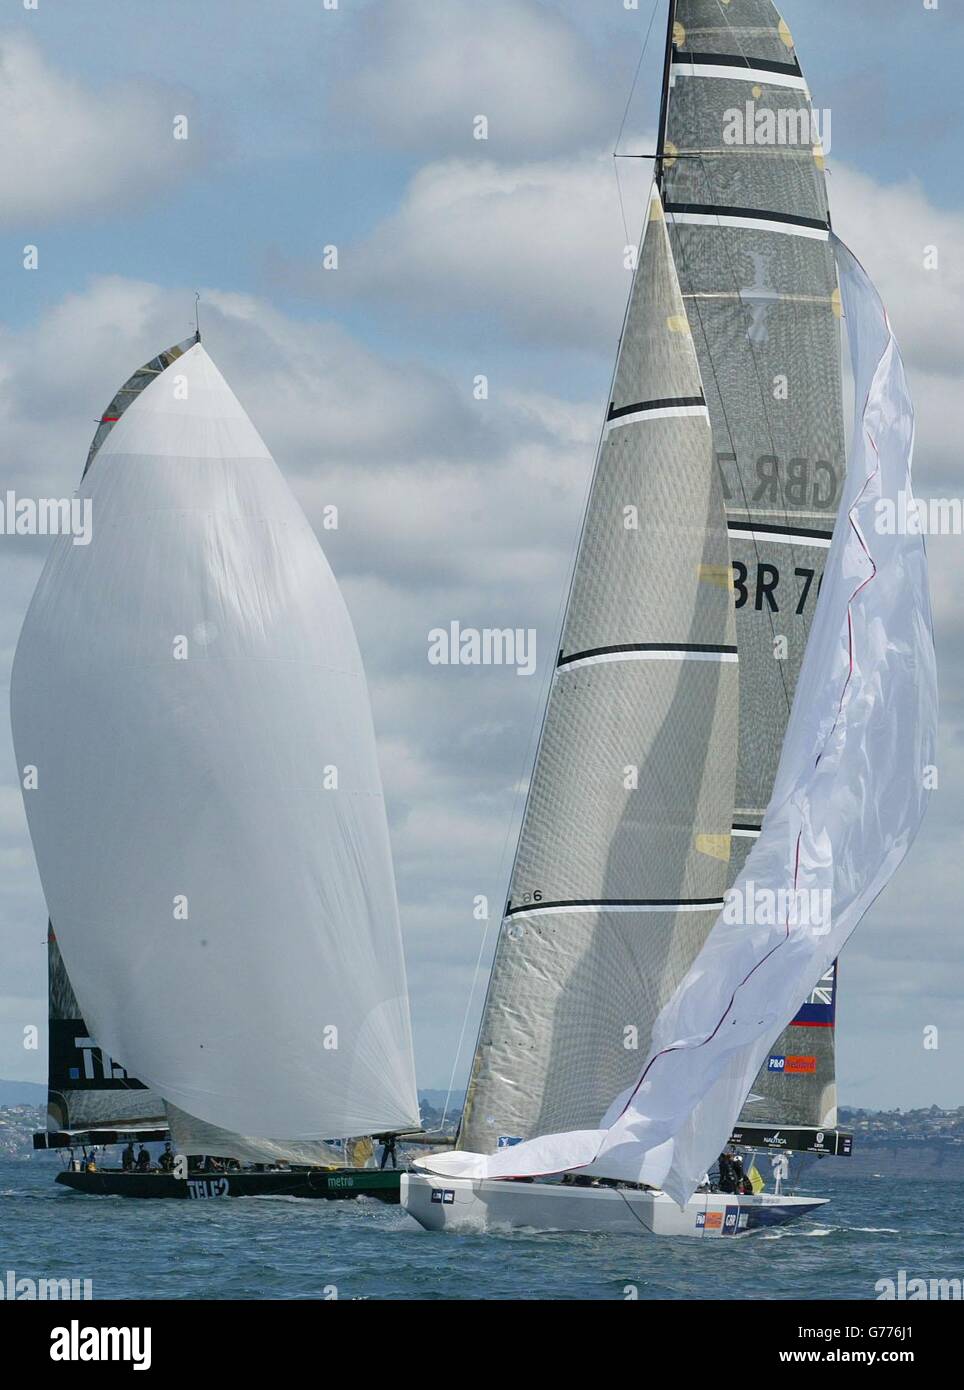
x: 353, y: 127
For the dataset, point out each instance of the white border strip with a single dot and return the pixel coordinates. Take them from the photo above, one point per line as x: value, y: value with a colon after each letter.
x: 604, y: 657
x: 739, y: 74
x: 757, y: 224
x: 748, y: 534
x: 666, y: 412
x: 614, y: 907
x: 746, y: 834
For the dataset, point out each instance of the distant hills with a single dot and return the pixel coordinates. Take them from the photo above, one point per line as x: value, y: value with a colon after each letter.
x: 22, y: 1093
x: 437, y: 1098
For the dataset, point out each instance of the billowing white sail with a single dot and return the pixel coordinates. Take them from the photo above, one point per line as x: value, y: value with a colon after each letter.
x: 849, y: 797
x: 208, y: 818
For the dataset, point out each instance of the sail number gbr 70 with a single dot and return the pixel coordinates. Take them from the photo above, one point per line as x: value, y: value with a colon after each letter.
x: 773, y: 587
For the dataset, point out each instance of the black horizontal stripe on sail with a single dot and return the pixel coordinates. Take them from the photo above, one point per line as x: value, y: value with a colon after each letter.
x: 790, y: 219
x: 767, y: 528
x: 591, y: 904
x: 737, y: 60
x: 617, y: 412
x: 703, y: 648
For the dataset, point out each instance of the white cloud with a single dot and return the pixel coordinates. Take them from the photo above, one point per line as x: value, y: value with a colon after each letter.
x: 536, y: 247
x: 67, y: 148
x: 419, y: 74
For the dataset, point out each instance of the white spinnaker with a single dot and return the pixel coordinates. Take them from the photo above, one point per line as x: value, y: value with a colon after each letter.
x: 208, y: 822
x: 848, y: 800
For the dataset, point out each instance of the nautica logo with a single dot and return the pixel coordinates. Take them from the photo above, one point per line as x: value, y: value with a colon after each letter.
x: 46, y: 516
x: 774, y: 1138
x: 76, y: 1343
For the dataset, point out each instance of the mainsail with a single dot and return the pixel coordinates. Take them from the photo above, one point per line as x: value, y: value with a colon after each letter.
x: 749, y: 270
x: 90, y: 1094
x: 597, y: 934
x: 746, y: 199
x: 208, y: 821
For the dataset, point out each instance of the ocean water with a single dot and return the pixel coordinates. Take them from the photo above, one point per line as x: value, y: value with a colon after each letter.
x: 285, y: 1249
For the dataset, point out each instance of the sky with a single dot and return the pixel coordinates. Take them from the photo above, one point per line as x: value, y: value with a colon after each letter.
x: 311, y: 127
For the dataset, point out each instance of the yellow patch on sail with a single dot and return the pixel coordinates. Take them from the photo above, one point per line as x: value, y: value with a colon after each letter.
x: 655, y: 209
x: 818, y: 155
x: 716, y: 846
x: 669, y: 154
x: 758, y: 92
x: 837, y: 302
x: 678, y: 323
x: 679, y: 34
x: 785, y: 34
x: 721, y: 576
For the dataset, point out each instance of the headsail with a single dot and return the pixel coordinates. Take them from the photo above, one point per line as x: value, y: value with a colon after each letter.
x: 746, y: 198
x: 88, y: 1092
x: 622, y: 859
x: 209, y: 823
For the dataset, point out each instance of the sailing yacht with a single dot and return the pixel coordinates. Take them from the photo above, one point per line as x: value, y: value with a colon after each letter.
x: 641, y: 1014
x: 225, y: 957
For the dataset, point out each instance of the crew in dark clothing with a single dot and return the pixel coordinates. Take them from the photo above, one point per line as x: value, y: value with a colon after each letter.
x: 166, y: 1160
x: 727, y: 1174
x: 143, y: 1161
x: 127, y: 1158
x: 388, y: 1151
x: 738, y: 1178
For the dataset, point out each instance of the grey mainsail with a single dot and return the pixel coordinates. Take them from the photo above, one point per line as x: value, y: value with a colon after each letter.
x: 622, y: 859
x: 746, y: 199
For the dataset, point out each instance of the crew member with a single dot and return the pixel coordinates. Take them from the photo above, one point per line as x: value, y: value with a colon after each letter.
x: 388, y: 1150
x: 127, y: 1157
x: 143, y: 1161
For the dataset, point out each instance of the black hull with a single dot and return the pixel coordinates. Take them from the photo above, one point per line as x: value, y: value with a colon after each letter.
x: 336, y: 1185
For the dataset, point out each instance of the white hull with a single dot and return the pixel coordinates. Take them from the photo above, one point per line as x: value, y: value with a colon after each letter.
x: 461, y: 1204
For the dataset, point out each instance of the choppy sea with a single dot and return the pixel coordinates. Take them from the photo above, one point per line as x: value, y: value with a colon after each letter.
x: 279, y: 1248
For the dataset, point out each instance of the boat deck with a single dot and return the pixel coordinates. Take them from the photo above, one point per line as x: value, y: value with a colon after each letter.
x: 331, y: 1184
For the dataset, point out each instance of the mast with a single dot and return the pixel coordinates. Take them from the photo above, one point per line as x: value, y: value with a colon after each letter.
x: 664, y: 100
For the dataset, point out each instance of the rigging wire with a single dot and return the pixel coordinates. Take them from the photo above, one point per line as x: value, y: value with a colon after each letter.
x: 622, y: 124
